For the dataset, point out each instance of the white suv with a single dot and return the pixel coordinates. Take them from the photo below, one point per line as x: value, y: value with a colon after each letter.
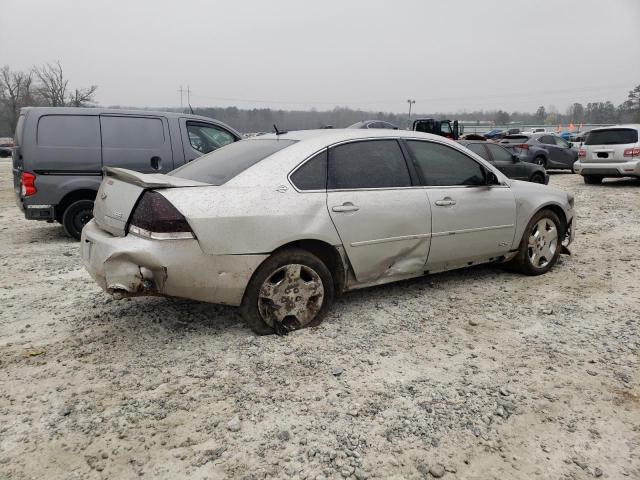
x: 610, y: 152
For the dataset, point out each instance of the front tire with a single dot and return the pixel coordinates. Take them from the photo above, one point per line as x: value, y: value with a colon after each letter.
x: 592, y: 179
x: 541, y: 244
x: 76, y: 216
x: 292, y: 289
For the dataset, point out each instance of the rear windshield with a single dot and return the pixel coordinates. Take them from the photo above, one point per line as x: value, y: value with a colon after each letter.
x: 220, y: 166
x: 612, y: 136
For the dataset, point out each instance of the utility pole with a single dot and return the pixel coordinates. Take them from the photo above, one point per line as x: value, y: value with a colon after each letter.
x: 410, y: 102
x: 188, y: 96
x: 181, y: 105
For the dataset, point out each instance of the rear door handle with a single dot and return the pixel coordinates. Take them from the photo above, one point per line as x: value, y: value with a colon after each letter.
x: 445, y: 202
x: 345, y: 207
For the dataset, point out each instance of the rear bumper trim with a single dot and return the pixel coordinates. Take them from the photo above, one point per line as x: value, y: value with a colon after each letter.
x: 616, y: 169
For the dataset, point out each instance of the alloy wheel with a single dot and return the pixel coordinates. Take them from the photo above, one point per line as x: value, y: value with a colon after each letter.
x: 543, y: 243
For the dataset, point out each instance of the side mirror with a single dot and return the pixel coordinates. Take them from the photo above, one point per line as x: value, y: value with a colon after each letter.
x: 491, y: 178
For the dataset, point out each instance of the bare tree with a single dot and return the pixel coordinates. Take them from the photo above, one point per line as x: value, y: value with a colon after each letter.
x: 82, y: 97
x: 15, y: 93
x: 52, y: 84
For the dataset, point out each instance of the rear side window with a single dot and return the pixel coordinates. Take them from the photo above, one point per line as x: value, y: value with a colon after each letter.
x: 444, y: 166
x: 612, y: 136
x: 312, y: 175
x: 547, y: 140
x: 80, y: 131
x: 132, y: 132
x: 479, y: 149
x: 368, y: 164
x: 220, y: 166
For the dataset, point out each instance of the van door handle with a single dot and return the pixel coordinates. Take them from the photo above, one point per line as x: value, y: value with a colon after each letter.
x: 345, y: 207
x: 445, y: 202
x: 156, y: 163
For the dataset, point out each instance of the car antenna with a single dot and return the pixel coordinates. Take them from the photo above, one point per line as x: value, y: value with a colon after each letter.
x: 278, y: 132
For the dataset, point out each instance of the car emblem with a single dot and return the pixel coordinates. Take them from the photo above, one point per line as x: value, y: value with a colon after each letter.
x: 103, y: 195
x: 282, y: 189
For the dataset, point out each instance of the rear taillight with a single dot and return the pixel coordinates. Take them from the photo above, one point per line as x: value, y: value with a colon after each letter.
x: 28, y: 181
x: 524, y: 146
x: 632, y: 152
x: 155, y: 217
x: 582, y: 152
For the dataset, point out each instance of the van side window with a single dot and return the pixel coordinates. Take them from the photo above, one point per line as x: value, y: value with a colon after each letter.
x: 132, y: 132
x: 81, y: 131
x: 206, y: 138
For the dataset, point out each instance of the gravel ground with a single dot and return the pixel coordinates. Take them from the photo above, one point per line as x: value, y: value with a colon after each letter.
x: 473, y: 374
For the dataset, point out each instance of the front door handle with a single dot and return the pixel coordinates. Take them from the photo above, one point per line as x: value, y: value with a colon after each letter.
x: 345, y: 207
x: 445, y: 202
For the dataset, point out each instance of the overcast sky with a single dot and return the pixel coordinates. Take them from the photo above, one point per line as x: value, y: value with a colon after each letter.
x: 295, y: 54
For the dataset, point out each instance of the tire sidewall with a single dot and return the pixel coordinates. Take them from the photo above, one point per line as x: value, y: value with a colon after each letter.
x: 249, y: 306
x: 69, y: 217
x: 523, y: 255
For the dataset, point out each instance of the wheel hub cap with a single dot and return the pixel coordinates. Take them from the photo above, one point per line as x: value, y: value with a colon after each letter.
x: 290, y: 297
x: 543, y: 243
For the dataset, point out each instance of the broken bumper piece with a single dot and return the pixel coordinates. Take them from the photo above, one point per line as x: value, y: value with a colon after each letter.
x: 131, y: 266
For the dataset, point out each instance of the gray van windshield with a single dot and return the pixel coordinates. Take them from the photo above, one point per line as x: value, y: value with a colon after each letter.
x: 220, y: 166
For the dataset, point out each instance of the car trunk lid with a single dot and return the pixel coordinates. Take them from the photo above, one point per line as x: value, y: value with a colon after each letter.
x: 119, y: 193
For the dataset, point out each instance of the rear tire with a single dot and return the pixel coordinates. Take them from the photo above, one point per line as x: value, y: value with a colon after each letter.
x: 76, y: 216
x: 537, y: 178
x: 292, y: 289
x: 592, y: 179
x: 540, y: 245
x: 540, y: 160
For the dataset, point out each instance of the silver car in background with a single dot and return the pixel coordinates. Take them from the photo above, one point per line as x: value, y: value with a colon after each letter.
x: 610, y: 152
x: 281, y: 224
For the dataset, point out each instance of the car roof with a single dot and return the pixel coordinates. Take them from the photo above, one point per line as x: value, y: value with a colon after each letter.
x: 337, y: 135
x: 116, y: 111
x: 622, y: 125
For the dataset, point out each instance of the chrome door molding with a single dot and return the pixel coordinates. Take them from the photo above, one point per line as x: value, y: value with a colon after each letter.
x: 390, y: 239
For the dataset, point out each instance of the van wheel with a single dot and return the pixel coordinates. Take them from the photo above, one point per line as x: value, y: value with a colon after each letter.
x: 292, y: 289
x: 76, y: 216
x: 592, y: 179
x: 540, y: 245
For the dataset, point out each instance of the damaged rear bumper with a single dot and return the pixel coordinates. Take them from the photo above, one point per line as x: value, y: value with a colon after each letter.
x: 131, y: 265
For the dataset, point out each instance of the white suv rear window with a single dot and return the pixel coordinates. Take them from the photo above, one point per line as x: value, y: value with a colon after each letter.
x: 612, y: 136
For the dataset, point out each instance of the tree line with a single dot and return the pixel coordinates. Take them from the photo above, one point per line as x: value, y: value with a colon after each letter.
x: 46, y: 85
x: 43, y: 85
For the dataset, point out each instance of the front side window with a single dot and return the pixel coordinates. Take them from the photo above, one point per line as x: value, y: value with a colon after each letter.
x: 441, y: 165
x: 368, y: 164
x: 220, y: 166
x: 206, y: 138
x: 445, y: 128
x: 479, y: 149
x: 561, y: 142
x: 499, y: 154
x: 312, y: 175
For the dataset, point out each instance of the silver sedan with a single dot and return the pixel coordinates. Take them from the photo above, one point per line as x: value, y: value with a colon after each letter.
x: 279, y: 225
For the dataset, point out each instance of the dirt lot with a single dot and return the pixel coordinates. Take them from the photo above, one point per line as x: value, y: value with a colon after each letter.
x: 472, y: 374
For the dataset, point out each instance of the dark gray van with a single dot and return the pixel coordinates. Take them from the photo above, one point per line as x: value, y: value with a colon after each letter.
x: 60, y: 152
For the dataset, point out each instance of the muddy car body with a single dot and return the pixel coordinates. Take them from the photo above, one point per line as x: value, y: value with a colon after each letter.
x: 281, y: 224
